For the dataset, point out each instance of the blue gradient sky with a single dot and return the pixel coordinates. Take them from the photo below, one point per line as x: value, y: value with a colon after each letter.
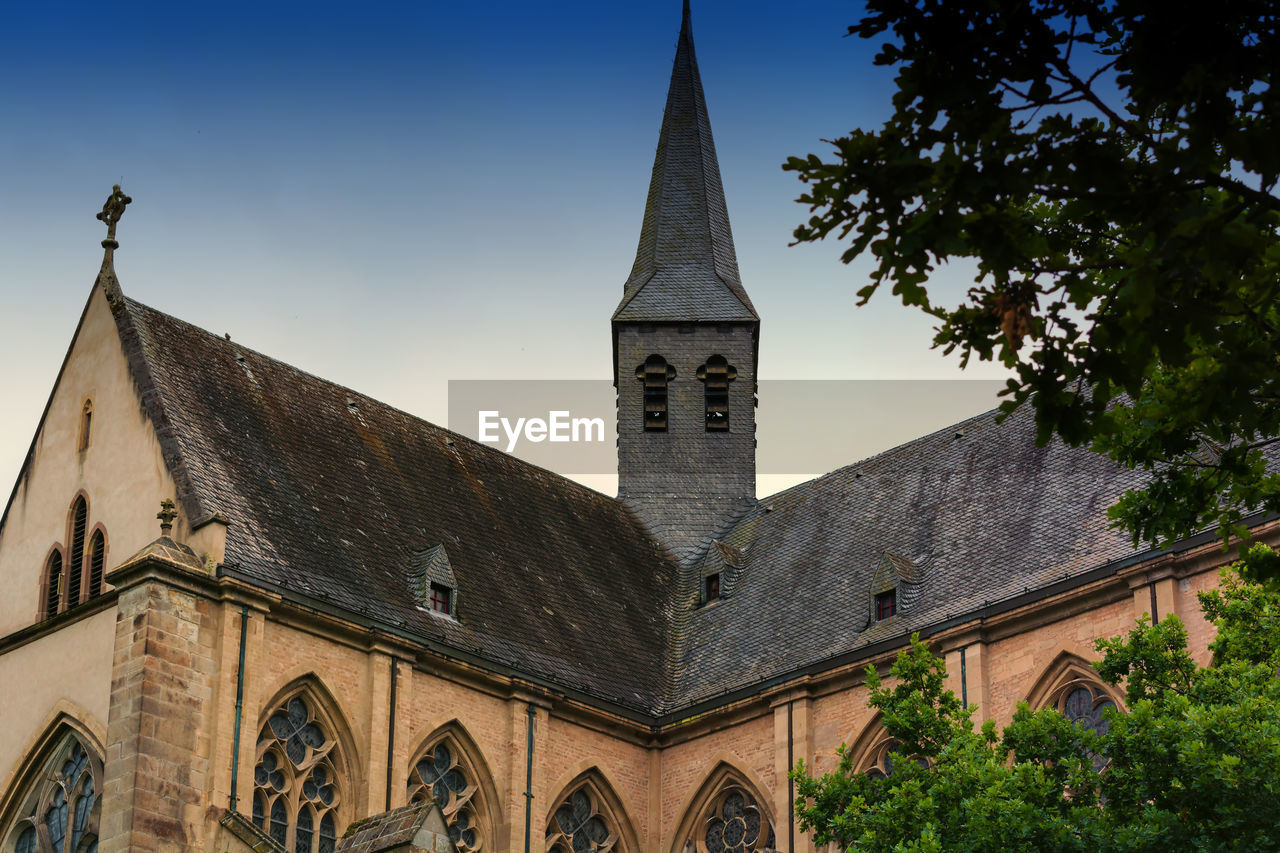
x: 395, y: 195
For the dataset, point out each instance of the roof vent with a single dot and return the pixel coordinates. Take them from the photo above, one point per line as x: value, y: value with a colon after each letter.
x: 351, y: 405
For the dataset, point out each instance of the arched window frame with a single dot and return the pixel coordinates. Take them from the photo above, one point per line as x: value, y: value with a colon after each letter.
x: 656, y: 375
x: 468, y: 794
x: 51, y: 580
x: 567, y: 818
x: 95, y: 562
x: 715, y: 375
x: 62, y: 798
x: 292, y: 798
x: 85, y: 436
x: 1060, y: 687
x: 726, y: 802
x: 77, y: 535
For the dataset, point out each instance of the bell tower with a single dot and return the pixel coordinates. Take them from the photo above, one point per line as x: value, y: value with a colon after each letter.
x: 685, y: 338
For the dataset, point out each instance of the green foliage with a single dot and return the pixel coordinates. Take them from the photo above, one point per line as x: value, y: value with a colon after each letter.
x: 1194, y: 764
x: 1111, y: 168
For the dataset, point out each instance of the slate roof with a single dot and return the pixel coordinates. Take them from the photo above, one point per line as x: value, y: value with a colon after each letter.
x: 332, y: 495
x: 967, y: 516
x: 337, y: 497
x: 388, y: 830
x: 686, y: 269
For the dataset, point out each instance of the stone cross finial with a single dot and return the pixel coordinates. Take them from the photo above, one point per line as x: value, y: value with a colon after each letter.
x: 111, y: 213
x: 166, y: 514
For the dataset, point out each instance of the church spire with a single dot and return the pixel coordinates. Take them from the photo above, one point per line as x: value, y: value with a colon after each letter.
x: 686, y: 269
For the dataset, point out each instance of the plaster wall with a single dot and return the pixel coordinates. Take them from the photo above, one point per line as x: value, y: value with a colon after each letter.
x: 122, y: 472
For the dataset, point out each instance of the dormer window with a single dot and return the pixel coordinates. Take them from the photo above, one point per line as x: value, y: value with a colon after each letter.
x: 655, y: 373
x: 711, y: 588
x: 716, y: 375
x: 441, y: 599
x: 886, y: 604
x: 86, y: 425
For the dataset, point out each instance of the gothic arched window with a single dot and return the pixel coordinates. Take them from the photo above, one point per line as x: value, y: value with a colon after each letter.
x: 580, y: 826
x: 75, y: 565
x: 1083, y: 704
x: 441, y: 774
x: 297, y: 792
x: 733, y: 822
x: 655, y: 373
x: 61, y: 813
x: 52, y: 584
x: 86, y: 424
x: 716, y: 375
x: 97, y: 557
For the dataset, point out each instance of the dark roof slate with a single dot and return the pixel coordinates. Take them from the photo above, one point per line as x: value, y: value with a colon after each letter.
x: 967, y: 516
x: 391, y: 829
x: 332, y: 495
x: 686, y: 269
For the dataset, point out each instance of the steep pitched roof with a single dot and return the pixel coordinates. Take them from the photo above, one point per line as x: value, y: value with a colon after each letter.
x: 333, y: 495
x: 966, y: 517
x: 686, y: 269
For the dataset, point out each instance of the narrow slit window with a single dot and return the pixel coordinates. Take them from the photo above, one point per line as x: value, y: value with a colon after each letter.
x: 711, y: 587
x: 86, y: 425
x: 75, y: 566
x: 655, y: 373
x: 53, y: 584
x: 97, y: 557
x: 441, y: 599
x: 886, y: 604
x: 716, y: 375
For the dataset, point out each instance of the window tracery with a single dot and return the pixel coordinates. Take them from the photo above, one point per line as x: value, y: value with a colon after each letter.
x: 580, y: 826
x: 732, y: 822
x: 296, y: 793
x: 1085, y: 705
x: 62, y: 812
x: 441, y: 774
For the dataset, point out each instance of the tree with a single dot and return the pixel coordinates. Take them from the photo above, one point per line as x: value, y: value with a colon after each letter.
x: 1111, y: 167
x: 1192, y: 765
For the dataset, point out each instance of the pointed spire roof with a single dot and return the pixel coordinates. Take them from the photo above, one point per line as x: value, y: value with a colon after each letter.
x: 686, y: 269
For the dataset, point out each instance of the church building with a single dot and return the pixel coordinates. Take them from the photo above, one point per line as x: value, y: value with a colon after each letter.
x: 249, y: 609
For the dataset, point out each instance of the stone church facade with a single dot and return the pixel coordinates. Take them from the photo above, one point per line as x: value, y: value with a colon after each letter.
x: 341, y: 610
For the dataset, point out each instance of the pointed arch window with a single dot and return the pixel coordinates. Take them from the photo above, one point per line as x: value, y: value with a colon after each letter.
x: 655, y: 373
x: 297, y: 793
x: 86, y: 425
x: 75, y: 567
x: 52, y: 585
x: 60, y: 814
x: 443, y: 774
x: 579, y: 825
x: 97, y: 560
x: 1085, y: 705
x: 731, y: 821
x: 715, y: 376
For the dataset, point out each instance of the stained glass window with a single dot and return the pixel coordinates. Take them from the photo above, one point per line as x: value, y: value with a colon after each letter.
x: 578, y: 826
x: 1085, y: 707
x: 441, y: 775
x: 64, y: 803
x: 296, y: 792
x: 732, y: 822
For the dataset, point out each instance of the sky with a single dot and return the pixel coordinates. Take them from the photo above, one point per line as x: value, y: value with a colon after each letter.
x: 395, y: 195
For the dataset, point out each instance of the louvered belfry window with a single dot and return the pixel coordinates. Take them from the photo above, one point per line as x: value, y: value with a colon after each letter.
x: 97, y: 556
x: 53, y: 583
x: 75, y: 567
x: 716, y: 375
x: 655, y: 373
